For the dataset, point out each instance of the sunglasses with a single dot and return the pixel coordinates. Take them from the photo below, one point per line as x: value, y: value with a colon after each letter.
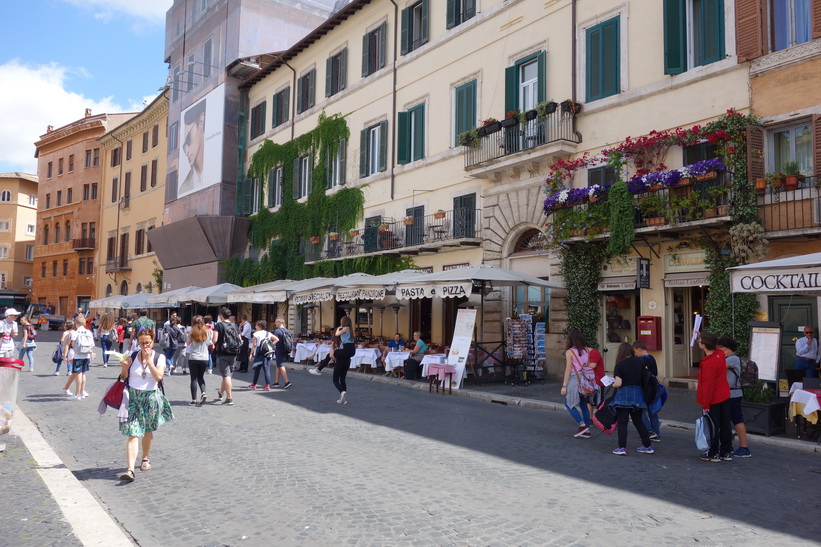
x: 807, y: 332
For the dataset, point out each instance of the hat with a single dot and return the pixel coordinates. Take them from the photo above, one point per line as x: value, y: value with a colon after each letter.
x: 12, y: 311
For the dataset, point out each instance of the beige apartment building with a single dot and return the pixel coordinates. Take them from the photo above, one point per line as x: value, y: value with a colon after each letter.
x: 131, y: 202
x: 70, y: 172
x: 18, y: 230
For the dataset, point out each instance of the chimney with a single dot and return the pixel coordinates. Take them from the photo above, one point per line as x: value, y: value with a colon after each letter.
x: 88, y: 112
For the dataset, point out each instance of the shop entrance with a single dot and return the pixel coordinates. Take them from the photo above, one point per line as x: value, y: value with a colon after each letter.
x: 686, y: 302
x: 794, y: 313
x: 620, y: 324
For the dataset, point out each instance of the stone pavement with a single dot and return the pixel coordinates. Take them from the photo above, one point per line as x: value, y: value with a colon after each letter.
x: 395, y: 466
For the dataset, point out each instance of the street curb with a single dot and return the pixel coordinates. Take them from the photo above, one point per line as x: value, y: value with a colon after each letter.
x: 507, y: 400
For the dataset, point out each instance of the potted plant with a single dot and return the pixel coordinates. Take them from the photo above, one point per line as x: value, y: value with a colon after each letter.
x: 529, y: 115
x: 763, y: 412
x: 791, y: 174
x: 384, y: 227
x: 408, y: 221
x: 439, y: 214
x: 545, y: 108
x: 511, y: 118
x: 333, y: 236
x: 354, y: 233
x: 491, y: 125
x: 314, y: 239
x: 469, y: 137
x: 760, y: 185
x: 775, y: 181
x: 653, y: 210
x: 571, y: 107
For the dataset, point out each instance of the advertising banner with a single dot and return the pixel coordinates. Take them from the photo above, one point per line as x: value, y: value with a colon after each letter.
x: 201, y: 136
x: 460, y: 345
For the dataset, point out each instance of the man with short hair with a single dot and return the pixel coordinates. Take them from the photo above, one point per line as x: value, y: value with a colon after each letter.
x: 713, y: 394
x: 8, y: 330
x: 280, y: 353
x: 143, y: 322
x: 729, y: 347
x: 806, y: 353
x: 225, y: 361
x: 651, y: 419
x: 245, y: 331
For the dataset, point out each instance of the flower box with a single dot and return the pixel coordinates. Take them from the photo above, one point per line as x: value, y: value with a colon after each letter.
x: 510, y: 122
x: 408, y: 221
x: 710, y: 175
x: 333, y: 237
x: 655, y: 221
x: 492, y: 127
x: 760, y: 185
x: 685, y: 181
x: 354, y: 233
x: 531, y: 115
x: 723, y: 210
x: 314, y: 239
x: 384, y: 228
x: 439, y: 214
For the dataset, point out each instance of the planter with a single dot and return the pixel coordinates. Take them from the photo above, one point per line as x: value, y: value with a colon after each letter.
x: 576, y: 233
x: 492, y: 127
x: 765, y: 418
x: 439, y: 215
x: 571, y: 107
x: 683, y: 182
x: 723, y: 210
x: 791, y: 182
x: 655, y: 187
x: 384, y: 228
x: 509, y: 122
x: 593, y: 199
x: 482, y: 131
x: 655, y: 221
x: 760, y: 185
x: 710, y: 213
x: 333, y: 238
x: 314, y: 240
x: 707, y: 176
x: 551, y: 107
x: 531, y: 115
x: 408, y: 221
x: 354, y: 233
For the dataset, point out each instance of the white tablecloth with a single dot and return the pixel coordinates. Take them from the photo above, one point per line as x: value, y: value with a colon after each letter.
x: 805, y: 398
x: 304, y: 351
x: 438, y: 358
x: 366, y: 356
x: 322, y: 352
x: 394, y: 359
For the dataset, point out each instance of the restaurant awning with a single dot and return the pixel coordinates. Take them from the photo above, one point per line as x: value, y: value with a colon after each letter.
x: 687, y: 279
x: 459, y: 282
x: 259, y: 294
x: 172, y: 298
x: 796, y: 274
x: 216, y: 294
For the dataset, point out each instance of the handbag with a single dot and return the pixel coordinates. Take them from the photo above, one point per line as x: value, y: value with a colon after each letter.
x: 704, y: 432
x: 114, y: 395
x: 587, y: 380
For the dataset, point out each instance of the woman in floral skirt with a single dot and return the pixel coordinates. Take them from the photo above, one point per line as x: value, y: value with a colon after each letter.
x: 148, y: 408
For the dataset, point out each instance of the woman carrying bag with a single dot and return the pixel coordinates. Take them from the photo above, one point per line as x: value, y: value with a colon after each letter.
x: 260, y: 360
x: 578, y: 384
x: 629, y: 401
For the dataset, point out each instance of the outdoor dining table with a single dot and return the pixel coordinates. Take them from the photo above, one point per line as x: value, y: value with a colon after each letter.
x: 304, y: 351
x: 431, y: 358
x: 440, y: 373
x: 804, y: 402
x: 395, y: 359
x: 366, y: 356
x: 322, y: 352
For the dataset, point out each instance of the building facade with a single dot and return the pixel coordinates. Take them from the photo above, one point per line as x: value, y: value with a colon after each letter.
x: 70, y: 172
x: 131, y: 202
x: 18, y: 231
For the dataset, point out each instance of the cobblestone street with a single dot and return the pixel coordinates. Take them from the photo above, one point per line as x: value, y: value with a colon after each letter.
x: 394, y: 466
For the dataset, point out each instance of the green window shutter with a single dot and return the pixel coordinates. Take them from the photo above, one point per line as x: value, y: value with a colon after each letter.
x: 383, y: 44
x: 262, y: 118
x: 511, y: 89
x: 383, y: 146
x: 310, y: 171
x: 271, y: 186
x: 343, y: 160
x: 675, y: 36
x: 404, y: 32
x: 296, y: 178
x: 311, y: 87
x: 286, y: 104
x: 403, y: 138
x: 451, y: 14
x: 425, y: 33
x: 300, y: 83
x: 541, y: 93
x: 712, y: 31
x: 465, y: 109
x: 366, y: 54
x: 328, y: 161
x: 418, y: 121
x: 610, y: 35
x: 329, y: 70
x: 593, y: 63
x: 468, y: 9
x: 343, y: 68
x: 460, y: 95
x: 363, y: 153
x: 275, y: 112
x: 602, y: 60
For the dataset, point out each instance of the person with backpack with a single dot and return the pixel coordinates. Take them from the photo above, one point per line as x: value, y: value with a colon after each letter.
x: 629, y: 401
x: 65, y: 351
x: 227, y: 343
x: 713, y: 394
x: 283, y: 349
x: 8, y: 329
x: 143, y: 322
x: 170, y: 340
x: 263, y: 349
x: 651, y: 419
x: 729, y: 347
x: 81, y: 341
x: 27, y: 344
x: 577, y: 365
x: 108, y: 335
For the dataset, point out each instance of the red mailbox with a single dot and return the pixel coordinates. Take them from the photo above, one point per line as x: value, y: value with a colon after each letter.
x: 649, y: 330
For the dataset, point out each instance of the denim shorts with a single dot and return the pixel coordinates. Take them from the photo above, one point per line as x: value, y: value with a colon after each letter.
x: 736, y: 415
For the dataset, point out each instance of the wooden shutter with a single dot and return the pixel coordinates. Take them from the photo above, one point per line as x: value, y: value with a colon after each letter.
x: 343, y: 69
x: 404, y: 32
x: 329, y: 71
x: 403, y: 138
x: 451, y: 14
x: 271, y: 185
x: 816, y: 146
x: 366, y: 54
x: 311, y: 87
x: 468, y: 9
x: 610, y: 57
x: 329, y: 160
x: 418, y: 120
x: 300, y: 83
x: 541, y: 93
x: 363, y: 153
x: 816, y: 33
x: 276, y: 106
x: 675, y: 36
x: 262, y: 118
x: 712, y: 31
x: 286, y: 104
x: 511, y: 88
x: 383, y: 146
x: 310, y: 176
x: 297, y: 168
x: 425, y: 22
x: 383, y: 44
x: 749, y: 33
x: 755, y: 152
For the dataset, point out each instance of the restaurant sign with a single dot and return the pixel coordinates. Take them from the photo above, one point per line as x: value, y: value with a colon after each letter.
x: 310, y: 297
x: 766, y: 281
x: 445, y: 290
x: 343, y: 295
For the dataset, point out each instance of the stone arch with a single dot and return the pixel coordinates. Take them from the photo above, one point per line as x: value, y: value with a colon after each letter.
x: 507, y: 215
x: 109, y: 290
x: 124, y: 288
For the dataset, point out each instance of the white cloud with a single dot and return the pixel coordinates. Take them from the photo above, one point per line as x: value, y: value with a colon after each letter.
x: 32, y: 98
x: 152, y: 11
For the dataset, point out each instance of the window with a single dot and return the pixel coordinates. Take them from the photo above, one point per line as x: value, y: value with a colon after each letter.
x: 258, y: 120
x: 275, y: 187
x: 143, y: 178
x: 115, y: 157
x: 115, y: 187
x: 92, y: 230
x: 148, y: 247
x: 790, y: 23
x: 464, y: 117
x: 459, y: 11
x: 81, y: 267
x: 207, y: 49
x: 374, y: 50
x: 335, y: 161
x: 71, y: 163
x: 336, y: 72
x: 303, y: 170
x: 281, y: 106
x: 110, y: 248
x: 68, y: 230
x: 373, y: 149
x: 29, y: 252
x: 88, y: 158
x: 30, y: 229
x: 84, y: 230
x: 693, y: 34
x: 54, y: 268
x: 129, y: 147
x: 27, y: 281
x: 49, y: 169
x: 60, y: 167
x: 5, y: 195
x: 48, y: 201
x: 601, y: 175
x: 173, y: 136
x: 788, y: 144
x: 4, y: 251
x: 464, y: 216
x: 155, y: 136
x: 89, y: 266
x: 32, y: 200
x: 305, y: 91
x: 94, y: 190
x: 602, y: 53
x: 96, y: 161
x: 699, y: 152
x: 175, y: 86
x: 145, y: 142
x: 525, y: 82
x: 5, y: 226
x: 59, y: 198
x: 43, y: 270
x: 127, y: 185
x: 86, y: 191
x: 153, y: 173
x: 56, y: 233
x: 70, y: 196
x: 45, y: 235
x: 414, y: 26
x: 411, y: 134
x: 190, y: 83
x: 65, y: 267
x: 139, y: 241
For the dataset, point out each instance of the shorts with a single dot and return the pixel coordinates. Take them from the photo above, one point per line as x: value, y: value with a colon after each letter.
x: 736, y: 415
x: 80, y: 365
x: 225, y: 364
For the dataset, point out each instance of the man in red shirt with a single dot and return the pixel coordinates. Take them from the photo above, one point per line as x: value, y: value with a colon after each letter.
x: 713, y: 394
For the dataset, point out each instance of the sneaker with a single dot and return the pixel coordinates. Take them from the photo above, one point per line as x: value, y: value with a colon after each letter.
x: 655, y: 438
x: 287, y: 385
x: 219, y: 397
x: 31, y: 369
x: 267, y: 387
x: 209, y: 371
x: 707, y: 458
x: 68, y: 373
x: 193, y: 403
x: 742, y: 452
x: 229, y: 402
x: 275, y: 385
x: 583, y: 432
x: 252, y: 386
x: 726, y: 457
x: 84, y: 395
x: 344, y: 397
x: 69, y: 392
x: 202, y: 400
x: 56, y: 372
x: 314, y: 371
x: 645, y: 450
x: 620, y: 451
x: 73, y: 398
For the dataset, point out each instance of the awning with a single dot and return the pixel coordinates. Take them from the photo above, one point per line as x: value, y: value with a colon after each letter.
x: 687, y: 279
x: 623, y: 283
x: 795, y: 274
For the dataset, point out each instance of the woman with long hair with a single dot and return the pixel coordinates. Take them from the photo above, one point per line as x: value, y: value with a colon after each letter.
x: 148, y: 409
x: 342, y: 358
x: 629, y: 399
x: 108, y: 334
x: 199, y: 357
x: 68, y: 354
x: 577, y: 356
x: 27, y: 344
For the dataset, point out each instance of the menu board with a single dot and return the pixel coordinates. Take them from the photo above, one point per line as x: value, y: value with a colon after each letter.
x: 765, y: 348
x: 460, y: 345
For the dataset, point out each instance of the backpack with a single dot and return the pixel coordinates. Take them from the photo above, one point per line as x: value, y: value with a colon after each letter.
x: 287, y: 340
x: 266, y: 347
x: 85, y: 341
x: 180, y: 336
x: 749, y: 373
x: 165, y: 338
x: 231, y: 340
x: 650, y: 385
x: 32, y: 332
x: 605, y: 415
x: 57, y: 356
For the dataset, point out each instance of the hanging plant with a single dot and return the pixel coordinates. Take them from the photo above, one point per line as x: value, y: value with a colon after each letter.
x: 621, y: 219
x: 581, y: 268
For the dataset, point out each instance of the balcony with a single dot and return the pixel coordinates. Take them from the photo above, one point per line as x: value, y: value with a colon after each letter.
x: 427, y: 234
x: 787, y: 213
x: 84, y: 244
x: 521, y: 145
x: 117, y: 264
x: 125, y: 202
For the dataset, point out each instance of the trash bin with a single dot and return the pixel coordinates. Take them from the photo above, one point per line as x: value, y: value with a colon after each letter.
x: 9, y: 376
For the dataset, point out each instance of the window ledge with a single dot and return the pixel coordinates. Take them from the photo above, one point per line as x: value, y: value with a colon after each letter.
x: 786, y: 57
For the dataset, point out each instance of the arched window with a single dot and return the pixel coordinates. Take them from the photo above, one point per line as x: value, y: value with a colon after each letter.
x: 139, y: 287
x: 5, y: 196
x: 68, y: 230
x: 45, y: 235
x: 57, y: 233
x: 531, y: 240
x: 124, y: 288
x: 108, y: 290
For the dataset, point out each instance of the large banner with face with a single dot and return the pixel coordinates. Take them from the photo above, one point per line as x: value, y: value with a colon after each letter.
x: 201, y: 136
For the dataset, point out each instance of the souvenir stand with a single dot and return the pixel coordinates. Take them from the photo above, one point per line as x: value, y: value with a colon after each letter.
x: 521, y: 350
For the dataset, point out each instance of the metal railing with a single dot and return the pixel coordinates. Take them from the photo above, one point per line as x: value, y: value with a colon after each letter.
x: 698, y: 200
x: 557, y: 126
x: 83, y: 244
x: 782, y: 209
x: 117, y: 264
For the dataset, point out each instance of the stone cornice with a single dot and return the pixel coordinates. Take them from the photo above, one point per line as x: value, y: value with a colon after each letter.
x: 785, y: 57
x: 153, y: 114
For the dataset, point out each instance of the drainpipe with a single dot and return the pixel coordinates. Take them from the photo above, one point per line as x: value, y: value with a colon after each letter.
x: 242, y: 149
x: 393, y: 98
x: 292, y: 106
x: 573, y: 90
x: 119, y: 200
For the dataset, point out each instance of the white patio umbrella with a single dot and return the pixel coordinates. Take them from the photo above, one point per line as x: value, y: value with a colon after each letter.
x: 217, y: 294
x: 172, y: 298
x: 137, y: 301
x: 107, y: 302
x: 259, y: 294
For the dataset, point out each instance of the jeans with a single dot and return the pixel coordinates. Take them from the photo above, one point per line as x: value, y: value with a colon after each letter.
x: 584, y: 417
x: 265, y: 365
x: 169, y: 357
x: 651, y: 421
x: 28, y: 350
x: 105, y: 344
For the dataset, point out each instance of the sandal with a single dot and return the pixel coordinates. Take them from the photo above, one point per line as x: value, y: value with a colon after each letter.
x: 145, y: 465
x: 128, y: 476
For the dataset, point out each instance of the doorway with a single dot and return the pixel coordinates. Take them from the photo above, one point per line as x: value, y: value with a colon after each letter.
x: 794, y: 313
x: 686, y: 302
x: 451, y: 310
x: 420, y: 318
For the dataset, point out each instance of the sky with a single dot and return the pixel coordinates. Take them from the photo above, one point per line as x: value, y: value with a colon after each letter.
x: 59, y: 57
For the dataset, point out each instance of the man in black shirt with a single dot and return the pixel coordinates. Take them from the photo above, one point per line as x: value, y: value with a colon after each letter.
x: 225, y: 361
